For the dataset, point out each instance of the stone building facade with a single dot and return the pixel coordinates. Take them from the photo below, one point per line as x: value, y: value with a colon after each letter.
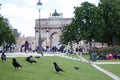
x: 51, y: 29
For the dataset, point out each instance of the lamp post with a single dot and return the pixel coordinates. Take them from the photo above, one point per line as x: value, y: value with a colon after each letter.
x: 39, y: 5
x: 0, y: 9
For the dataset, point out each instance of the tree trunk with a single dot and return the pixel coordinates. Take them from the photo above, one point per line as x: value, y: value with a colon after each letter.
x: 71, y: 46
x: 114, y: 41
x: 90, y: 45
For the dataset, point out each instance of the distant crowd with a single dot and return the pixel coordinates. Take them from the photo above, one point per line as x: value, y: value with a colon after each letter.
x: 28, y: 47
x: 8, y: 48
x: 94, y: 56
x: 109, y: 56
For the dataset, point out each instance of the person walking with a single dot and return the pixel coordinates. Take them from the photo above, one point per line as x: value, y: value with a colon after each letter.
x: 26, y: 46
x: 80, y: 51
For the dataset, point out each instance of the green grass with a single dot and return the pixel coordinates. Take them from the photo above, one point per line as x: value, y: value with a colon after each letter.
x: 72, y: 55
x: 117, y: 60
x: 112, y: 68
x: 44, y: 70
x: 85, y: 55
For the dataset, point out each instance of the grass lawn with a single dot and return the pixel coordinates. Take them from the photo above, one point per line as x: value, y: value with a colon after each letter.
x: 85, y: 55
x: 112, y: 68
x: 44, y: 70
x: 72, y: 55
x: 117, y: 60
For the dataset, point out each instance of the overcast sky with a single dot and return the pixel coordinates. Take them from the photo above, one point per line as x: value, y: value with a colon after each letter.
x: 22, y: 13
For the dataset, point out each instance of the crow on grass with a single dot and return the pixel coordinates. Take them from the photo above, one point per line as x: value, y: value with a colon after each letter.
x: 3, y: 56
x: 57, y: 68
x: 76, y: 67
x: 15, y: 63
x: 28, y: 59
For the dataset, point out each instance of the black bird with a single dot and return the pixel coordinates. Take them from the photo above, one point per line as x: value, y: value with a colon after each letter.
x: 57, y: 68
x: 76, y: 67
x: 28, y: 59
x: 15, y: 63
x: 3, y: 56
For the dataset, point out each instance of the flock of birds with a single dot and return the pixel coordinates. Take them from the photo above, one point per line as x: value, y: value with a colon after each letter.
x: 29, y: 59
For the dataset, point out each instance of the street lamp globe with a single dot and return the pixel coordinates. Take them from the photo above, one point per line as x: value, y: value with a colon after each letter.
x: 0, y: 9
x: 39, y: 5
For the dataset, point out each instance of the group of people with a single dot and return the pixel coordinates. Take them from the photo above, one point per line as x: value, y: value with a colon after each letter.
x: 109, y: 56
x: 53, y: 49
x: 27, y: 47
x: 8, y: 48
x: 102, y: 56
x: 79, y: 50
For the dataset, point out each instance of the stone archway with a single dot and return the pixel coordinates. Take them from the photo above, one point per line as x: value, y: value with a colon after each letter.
x: 50, y: 29
x: 54, y: 39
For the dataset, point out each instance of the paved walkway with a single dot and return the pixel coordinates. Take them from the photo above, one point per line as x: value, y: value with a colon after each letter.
x: 20, y: 54
x: 94, y: 64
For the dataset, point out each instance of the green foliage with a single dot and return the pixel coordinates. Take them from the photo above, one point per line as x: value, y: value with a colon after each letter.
x: 113, y: 50
x: 111, y: 15
x: 99, y: 23
x: 68, y: 34
x: 89, y: 22
x: 6, y: 33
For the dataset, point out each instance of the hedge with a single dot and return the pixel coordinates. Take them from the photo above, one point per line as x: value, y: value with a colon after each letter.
x: 113, y: 50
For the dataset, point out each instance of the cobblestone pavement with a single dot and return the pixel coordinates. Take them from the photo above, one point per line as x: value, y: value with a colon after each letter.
x: 94, y: 64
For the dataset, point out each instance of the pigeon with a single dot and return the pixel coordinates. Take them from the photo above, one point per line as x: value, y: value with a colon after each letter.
x: 57, y: 68
x: 15, y: 63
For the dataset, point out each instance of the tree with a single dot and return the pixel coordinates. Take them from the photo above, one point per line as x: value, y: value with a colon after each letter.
x: 95, y: 23
x: 68, y: 34
x: 6, y: 34
x: 111, y: 16
x: 89, y: 22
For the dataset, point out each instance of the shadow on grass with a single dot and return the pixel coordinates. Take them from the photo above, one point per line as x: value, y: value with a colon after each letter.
x: 57, y: 73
